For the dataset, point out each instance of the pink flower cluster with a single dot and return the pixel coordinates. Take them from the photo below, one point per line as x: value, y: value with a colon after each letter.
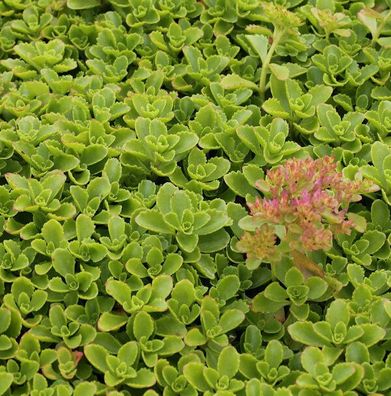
x: 310, y: 199
x: 260, y: 244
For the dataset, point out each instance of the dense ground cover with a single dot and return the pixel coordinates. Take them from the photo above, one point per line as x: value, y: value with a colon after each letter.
x: 195, y: 197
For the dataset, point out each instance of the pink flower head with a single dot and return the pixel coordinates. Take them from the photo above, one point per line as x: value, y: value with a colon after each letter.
x: 309, y: 198
x: 260, y: 244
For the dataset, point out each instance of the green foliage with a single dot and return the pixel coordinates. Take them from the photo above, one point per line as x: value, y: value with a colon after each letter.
x: 134, y: 135
x: 185, y: 215
x: 379, y: 171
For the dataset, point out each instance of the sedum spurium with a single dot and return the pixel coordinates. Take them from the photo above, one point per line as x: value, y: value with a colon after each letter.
x: 306, y: 203
x: 132, y: 133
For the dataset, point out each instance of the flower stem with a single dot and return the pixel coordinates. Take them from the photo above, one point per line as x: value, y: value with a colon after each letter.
x: 304, y: 263
x: 265, y: 65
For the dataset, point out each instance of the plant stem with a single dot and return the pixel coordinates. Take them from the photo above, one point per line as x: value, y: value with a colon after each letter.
x: 304, y: 263
x: 265, y: 65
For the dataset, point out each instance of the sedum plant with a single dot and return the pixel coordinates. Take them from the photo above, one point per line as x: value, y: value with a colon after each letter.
x: 306, y: 205
x: 134, y: 137
x: 186, y: 216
